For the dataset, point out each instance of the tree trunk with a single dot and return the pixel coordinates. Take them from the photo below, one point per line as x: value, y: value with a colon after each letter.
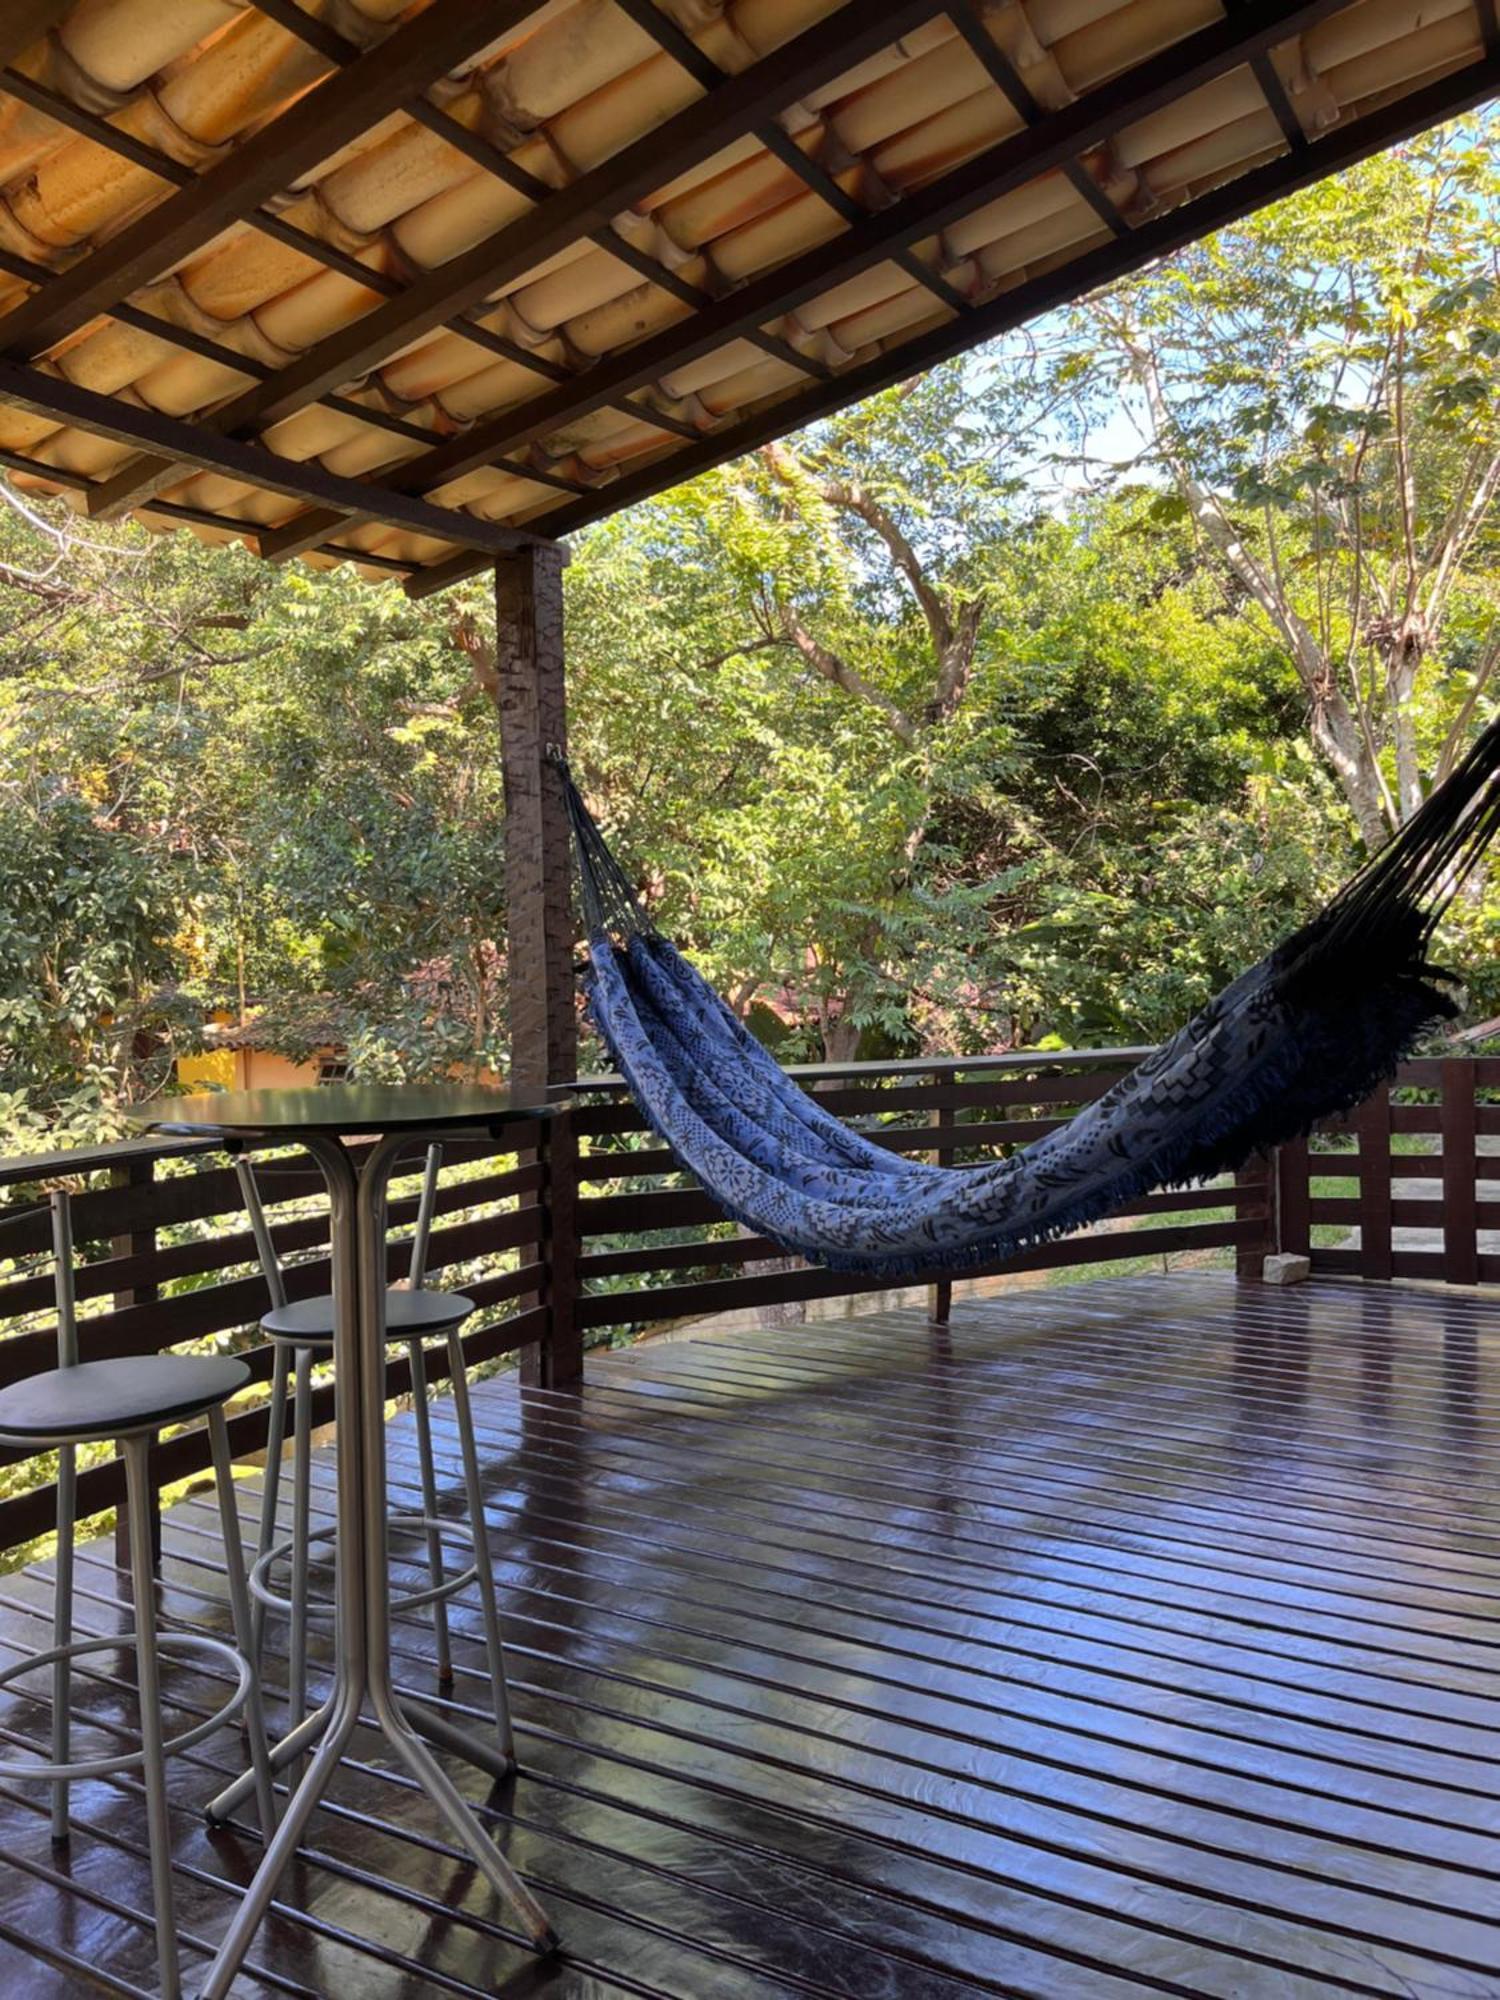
x: 839, y: 1036
x: 1339, y: 741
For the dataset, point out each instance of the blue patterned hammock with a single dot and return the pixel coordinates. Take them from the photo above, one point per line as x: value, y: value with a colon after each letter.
x: 1306, y: 1033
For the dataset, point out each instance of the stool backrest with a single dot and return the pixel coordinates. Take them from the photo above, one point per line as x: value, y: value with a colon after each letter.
x: 426, y: 1209
x: 265, y: 1248
x: 63, y: 1282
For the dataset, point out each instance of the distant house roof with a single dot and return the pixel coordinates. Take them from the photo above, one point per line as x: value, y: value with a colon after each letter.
x: 443, y: 278
x: 315, y: 1026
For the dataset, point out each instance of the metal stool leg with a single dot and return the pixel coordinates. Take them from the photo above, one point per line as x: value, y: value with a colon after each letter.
x: 435, y: 1569
x: 301, y: 1555
x: 270, y: 1496
x: 239, y: 1611
x: 485, y: 1577
x: 67, y: 1509
x: 62, y: 1633
x: 153, y: 1770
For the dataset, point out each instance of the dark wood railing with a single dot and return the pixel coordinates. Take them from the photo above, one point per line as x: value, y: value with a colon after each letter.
x: 682, y: 1262
x: 1403, y: 1188
x: 166, y: 1259
x: 587, y: 1230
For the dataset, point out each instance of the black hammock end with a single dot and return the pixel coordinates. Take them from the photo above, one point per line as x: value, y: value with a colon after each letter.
x: 611, y: 906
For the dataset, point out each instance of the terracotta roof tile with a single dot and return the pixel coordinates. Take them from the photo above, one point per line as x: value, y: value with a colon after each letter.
x: 574, y: 84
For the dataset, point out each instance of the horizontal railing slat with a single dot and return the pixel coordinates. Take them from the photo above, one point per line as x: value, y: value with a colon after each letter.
x: 786, y: 1288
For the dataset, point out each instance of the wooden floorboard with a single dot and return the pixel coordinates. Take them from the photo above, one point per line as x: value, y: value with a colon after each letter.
x: 1131, y: 1637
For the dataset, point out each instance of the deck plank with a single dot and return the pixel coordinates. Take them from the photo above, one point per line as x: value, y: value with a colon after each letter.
x: 1132, y: 1637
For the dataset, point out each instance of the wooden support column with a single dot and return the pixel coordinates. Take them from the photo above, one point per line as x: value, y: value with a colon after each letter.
x: 530, y: 691
x: 538, y: 859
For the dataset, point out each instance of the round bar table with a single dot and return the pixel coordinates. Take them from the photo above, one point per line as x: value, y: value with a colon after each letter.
x: 322, y: 1121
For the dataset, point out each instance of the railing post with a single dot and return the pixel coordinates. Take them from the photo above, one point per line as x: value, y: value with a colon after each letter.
x: 1372, y: 1124
x: 531, y: 1359
x: 940, y: 1295
x: 1255, y: 1198
x: 1460, y: 1171
x: 137, y: 1173
x: 1293, y: 1194
x: 562, y: 1358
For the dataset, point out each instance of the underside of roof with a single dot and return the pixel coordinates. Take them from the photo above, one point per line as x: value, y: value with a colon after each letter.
x: 411, y: 284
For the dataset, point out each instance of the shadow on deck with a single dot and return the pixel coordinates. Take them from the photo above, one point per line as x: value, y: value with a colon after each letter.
x: 1133, y: 1637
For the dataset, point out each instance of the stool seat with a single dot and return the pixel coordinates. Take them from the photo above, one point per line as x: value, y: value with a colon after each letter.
x: 106, y: 1397
x: 408, y: 1315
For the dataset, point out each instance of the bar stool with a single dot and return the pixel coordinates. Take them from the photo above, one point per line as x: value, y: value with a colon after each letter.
x: 122, y: 1402
x: 301, y: 1332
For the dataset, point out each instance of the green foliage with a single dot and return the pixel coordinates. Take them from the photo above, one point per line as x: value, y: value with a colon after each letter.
x: 227, y: 784
x: 954, y: 724
x: 849, y: 880
x: 1319, y: 387
x: 87, y: 920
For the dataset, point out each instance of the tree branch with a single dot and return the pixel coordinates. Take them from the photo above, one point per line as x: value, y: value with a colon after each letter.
x: 833, y: 667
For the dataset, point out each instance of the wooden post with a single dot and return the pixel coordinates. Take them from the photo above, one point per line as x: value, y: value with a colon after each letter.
x: 1293, y: 1194
x: 538, y: 856
x: 1255, y: 1192
x: 1372, y: 1123
x: 531, y: 694
x: 940, y: 1294
x: 563, y: 1361
x: 1460, y: 1172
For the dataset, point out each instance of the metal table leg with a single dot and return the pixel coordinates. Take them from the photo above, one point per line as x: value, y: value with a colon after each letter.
x: 350, y: 1673
x: 362, y: 1669
x: 418, y: 1759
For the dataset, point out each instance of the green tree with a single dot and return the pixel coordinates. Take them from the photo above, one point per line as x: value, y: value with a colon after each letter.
x: 1317, y: 387
x: 858, y: 722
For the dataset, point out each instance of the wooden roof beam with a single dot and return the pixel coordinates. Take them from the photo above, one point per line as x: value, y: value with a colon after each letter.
x: 1162, y: 236
x: 328, y: 117
x: 23, y: 22
x: 774, y: 136
x: 91, y: 126
x: 820, y: 53
x: 1004, y: 73
x: 187, y: 444
x: 1009, y: 164
x: 317, y: 34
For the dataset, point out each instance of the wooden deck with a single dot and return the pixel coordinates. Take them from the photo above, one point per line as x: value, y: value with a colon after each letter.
x: 1132, y: 1637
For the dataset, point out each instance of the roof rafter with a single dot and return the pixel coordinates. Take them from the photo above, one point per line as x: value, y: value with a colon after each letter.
x: 45, y: 395
x: 476, y: 147
x: 1274, y: 92
x: 1009, y: 164
x: 91, y: 126
x: 26, y: 21
x: 815, y: 56
x: 774, y: 136
x: 334, y: 112
x: 1005, y: 74
x: 931, y: 232
x: 1161, y: 236
x: 192, y: 342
